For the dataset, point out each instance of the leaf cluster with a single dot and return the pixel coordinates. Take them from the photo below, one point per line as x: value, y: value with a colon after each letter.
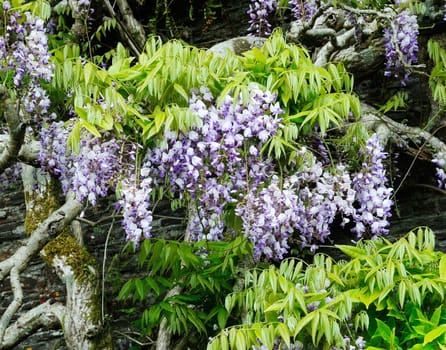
x: 146, y: 96
x: 437, y: 77
x: 393, y: 294
x: 204, y: 272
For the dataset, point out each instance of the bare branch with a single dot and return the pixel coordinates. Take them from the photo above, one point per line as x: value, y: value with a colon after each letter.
x: 78, y: 270
x: 16, y: 131
x: 388, y: 129
x: 48, y: 229
x: 136, y: 43
x: 15, y: 304
x: 46, y: 314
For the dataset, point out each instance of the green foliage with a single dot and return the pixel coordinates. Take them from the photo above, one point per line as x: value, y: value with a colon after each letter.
x: 393, y: 293
x: 204, y: 272
x: 437, y: 78
x: 395, y: 102
x: 39, y: 8
x: 145, y: 97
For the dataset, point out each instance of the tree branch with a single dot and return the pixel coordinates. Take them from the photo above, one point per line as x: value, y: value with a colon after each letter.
x: 46, y: 314
x: 16, y: 131
x: 388, y: 129
x: 48, y: 229
x: 78, y: 270
x: 12, y: 308
x: 136, y: 44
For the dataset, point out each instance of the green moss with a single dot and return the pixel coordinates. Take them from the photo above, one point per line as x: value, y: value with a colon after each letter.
x: 41, y: 205
x: 84, y: 268
x: 83, y: 264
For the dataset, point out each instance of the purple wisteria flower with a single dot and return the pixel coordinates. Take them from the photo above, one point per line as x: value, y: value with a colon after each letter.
x: 218, y: 161
x: 439, y: 160
x: 372, y: 194
x: 269, y: 217
x: 258, y: 12
x: 303, y: 10
x: 401, y: 45
x: 24, y: 53
x: 135, y: 204
x: 91, y: 172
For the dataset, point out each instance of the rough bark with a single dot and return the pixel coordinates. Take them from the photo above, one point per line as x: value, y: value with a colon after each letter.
x: 16, y: 130
x: 77, y: 269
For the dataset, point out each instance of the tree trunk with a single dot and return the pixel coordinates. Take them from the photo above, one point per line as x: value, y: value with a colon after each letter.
x: 82, y: 324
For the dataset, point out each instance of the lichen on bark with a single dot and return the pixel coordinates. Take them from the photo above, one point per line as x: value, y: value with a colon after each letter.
x: 75, y: 266
x: 40, y: 203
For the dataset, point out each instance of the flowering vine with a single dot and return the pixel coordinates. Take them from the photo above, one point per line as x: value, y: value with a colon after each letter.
x: 25, y: 59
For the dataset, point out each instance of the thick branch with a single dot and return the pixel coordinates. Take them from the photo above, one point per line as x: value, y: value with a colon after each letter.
x: 48, y: 229
x: 28, y: 154
x: 131, y: 29
x: 340, y: 41
x: 78, y: 270
x: 16, y: 132
x: 132, y: 25
x: 15, y: 304
x: 388, y: 129
x: 44, y: 315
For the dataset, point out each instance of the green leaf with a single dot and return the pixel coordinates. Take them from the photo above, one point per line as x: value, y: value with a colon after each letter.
x: 91, y: 128
x: 178, y: 88
x: 126, y: 289
x: 442, y: 267
x: 384, y: 331
x: 222, y: 317
x: 284, y: 333
x: 303, y: 322
x: 141, y: 289
x: 351, y: 251
x: 74, y: 138
x: 434, y: 334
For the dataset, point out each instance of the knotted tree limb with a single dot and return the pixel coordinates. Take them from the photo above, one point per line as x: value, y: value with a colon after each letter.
x: 341, y: 35
x: 15, y: 264
x: 398, y: 133
x: 12, y: 308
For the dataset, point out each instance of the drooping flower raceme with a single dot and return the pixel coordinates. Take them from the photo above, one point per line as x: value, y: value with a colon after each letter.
x: 258, y: 12
x: 135, y: 203
x: 218, y: 161
x: 303, y: 10
x: 372, y: 194
x: 25, y: 58
x: 401, y: 45
x: 309, y: 201
x: 89, y: 173
x: 439, y: 160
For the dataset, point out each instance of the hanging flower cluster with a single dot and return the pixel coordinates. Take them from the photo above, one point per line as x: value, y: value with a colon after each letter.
x: 401, y: 45
x: 309, y: 201
x: 135, y: 203
x: 88, y: 173
x: 303, y: 10
x: 439, y: 160
x: 218, y: 166
x: 374, y: 203
x: 219, y: 160
x: 24, y: 58
x: 258, y: 12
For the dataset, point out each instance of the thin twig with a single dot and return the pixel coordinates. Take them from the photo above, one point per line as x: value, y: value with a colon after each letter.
x: 103, y: 268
